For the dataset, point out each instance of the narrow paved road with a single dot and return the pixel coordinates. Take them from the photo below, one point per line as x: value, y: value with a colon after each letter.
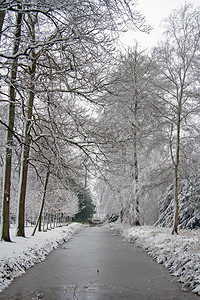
x: 97, y: 265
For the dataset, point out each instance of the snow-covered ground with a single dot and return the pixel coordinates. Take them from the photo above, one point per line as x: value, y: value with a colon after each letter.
x: 180, y: 254
x: 23, y: 253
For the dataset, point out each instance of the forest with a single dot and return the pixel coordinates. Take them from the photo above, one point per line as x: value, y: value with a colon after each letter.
x: 84, y: 123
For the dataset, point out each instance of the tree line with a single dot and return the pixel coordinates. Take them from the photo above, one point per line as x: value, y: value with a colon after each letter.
x: 73, y: 109
x: 54, y: 60
x: 153, y: 118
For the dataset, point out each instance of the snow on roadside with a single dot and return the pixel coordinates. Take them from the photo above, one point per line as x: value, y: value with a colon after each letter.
x: 180, y: 254
x: 23, y: 253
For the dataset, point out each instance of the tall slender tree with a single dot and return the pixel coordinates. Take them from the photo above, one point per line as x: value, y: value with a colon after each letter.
x: 176, y: 84
x: 31, y: 22
x: 11, y: 117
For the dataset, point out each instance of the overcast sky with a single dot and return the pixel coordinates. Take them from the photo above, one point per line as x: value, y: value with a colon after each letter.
x: 154, y: 11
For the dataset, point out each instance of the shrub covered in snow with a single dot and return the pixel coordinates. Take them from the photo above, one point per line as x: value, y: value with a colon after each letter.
x: 189, y: 206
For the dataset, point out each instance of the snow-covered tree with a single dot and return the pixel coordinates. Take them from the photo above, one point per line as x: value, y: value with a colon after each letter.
x: 10, y: 127
x: 68, y: 48
x: 131, y: 130
x: 178, y: 87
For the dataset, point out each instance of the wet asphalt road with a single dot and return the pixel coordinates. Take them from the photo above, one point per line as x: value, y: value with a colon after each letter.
x: 98, y: 265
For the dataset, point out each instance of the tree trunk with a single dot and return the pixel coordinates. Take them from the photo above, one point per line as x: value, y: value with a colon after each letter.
x: 40, y: 222
x: 26, y: 145
x: 137, y: 218
x: 2, y: 16
x: 24, y: 170
x: 47, y: 218
x: 11, y: 116
x: 176, y: 178
x: 43, y: 201
x: 43, y: 225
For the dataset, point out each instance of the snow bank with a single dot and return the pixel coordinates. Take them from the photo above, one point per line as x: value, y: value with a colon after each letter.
x: 23, y: 253
x: 180, y: 254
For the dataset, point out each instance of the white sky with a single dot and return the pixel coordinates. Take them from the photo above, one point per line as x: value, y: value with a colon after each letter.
x: 154, y: 11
